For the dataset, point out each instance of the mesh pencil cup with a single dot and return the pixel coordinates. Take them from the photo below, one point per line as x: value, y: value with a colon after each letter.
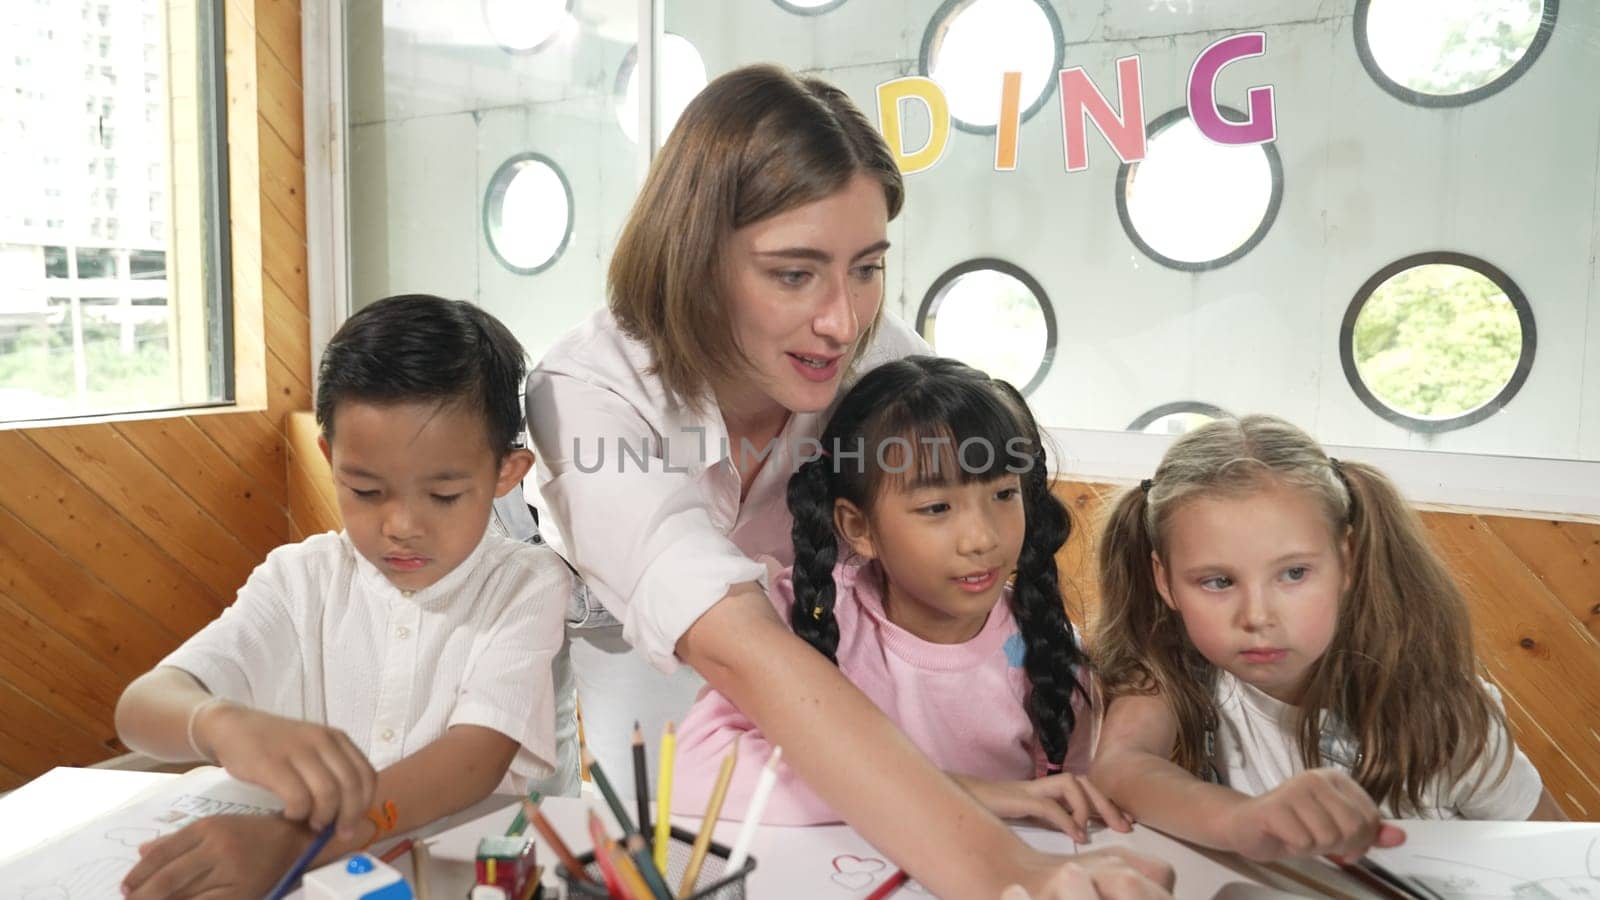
x: 714, y: 883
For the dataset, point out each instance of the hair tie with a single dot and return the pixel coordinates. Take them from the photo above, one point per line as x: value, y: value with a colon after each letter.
x: 1145, y: 484
x: 816, y: 612
x: 1350, y: 492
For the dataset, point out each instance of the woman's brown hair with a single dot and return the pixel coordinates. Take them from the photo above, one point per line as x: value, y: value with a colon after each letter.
x: 1399, y: 674
x: 756, y: 142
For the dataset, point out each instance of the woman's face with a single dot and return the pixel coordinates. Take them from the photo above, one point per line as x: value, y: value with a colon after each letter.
x: 801, y: 288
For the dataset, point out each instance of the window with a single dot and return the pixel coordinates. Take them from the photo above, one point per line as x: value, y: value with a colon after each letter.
x: 1437, y: 341
x: 1450, y: 52
x: 527, y: 213
x: 993, y: 316
x: 1176, y: 418
x: 99, y: 331
x: 526, y: 26
x: 683, y: 74
x: 1193, y: 204
x: 969, y: 44
x: 809, y: 7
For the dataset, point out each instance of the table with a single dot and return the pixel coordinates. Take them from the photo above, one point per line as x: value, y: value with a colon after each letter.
x: 1465, y: 859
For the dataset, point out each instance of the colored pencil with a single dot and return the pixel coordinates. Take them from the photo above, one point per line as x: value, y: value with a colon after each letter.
x: 397, y: 851
x: 624, y: 821
x: 641, y: 782
x: 282, y: 888
x: 520, y: 823
x: 551, y: 837
x: 647, y: 868
x: 628, y: 873
x: 753, y: 812
x: 888, y: 887
x: 702, y: 841
x: 669, y: 743
x: 602, y: 855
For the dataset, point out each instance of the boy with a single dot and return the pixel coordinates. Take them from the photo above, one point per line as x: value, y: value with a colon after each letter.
x: 390, y: 674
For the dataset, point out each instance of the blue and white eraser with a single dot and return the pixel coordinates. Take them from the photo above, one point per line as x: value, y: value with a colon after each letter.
x: 358, y: 877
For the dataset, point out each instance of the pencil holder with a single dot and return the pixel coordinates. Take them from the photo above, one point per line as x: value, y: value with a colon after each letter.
x: 714, y: 883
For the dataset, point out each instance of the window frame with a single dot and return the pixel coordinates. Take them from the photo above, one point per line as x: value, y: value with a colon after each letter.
x: 1508, y: 392
x: 1547, y: 25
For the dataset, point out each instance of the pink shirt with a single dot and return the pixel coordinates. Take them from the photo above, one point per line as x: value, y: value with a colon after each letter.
x: 961, y: 704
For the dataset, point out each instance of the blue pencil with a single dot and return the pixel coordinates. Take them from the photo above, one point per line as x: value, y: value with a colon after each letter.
x: 287, y: 882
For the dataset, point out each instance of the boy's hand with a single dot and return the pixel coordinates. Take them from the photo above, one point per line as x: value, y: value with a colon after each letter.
x: 1321, y: 811
x: 1066, y: 801
x: 217, y: 857
x: 316, y: 771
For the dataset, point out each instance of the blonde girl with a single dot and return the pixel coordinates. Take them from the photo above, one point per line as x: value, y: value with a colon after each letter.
x: 1287, y: 659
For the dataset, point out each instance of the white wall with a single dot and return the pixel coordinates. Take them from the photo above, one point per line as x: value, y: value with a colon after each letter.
x: 1367, y: 180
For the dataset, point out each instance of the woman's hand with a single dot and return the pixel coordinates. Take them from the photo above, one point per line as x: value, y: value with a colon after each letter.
x: 316, y: 771
x: 1320, y: 811
x: 217, y: 857
x: 1112, y: 874
x: 1065, y: 801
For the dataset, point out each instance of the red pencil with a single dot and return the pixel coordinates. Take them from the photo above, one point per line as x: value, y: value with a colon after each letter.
x: 397, y: 851
x: 602, y: 855
x: 888, y: 887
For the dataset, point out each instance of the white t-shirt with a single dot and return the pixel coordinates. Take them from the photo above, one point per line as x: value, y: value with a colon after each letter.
x: 1257, y: 749
x: 319, y: 634
x: 644, y: 493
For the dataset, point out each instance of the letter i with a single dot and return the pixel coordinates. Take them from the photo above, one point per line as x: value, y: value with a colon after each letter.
x: 1010, y: 123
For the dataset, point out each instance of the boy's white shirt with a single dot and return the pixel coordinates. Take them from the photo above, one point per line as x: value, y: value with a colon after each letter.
x: 1257, y: 749
x: 318, y: 633
x: 659, y: 540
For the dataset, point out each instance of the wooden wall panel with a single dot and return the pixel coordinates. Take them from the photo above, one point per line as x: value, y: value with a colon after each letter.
x: 118, y: 540
x: 1534, y: 590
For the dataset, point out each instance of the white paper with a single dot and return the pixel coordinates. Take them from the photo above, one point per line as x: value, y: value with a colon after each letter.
x: 1522, y: 860
x: 89, y: 861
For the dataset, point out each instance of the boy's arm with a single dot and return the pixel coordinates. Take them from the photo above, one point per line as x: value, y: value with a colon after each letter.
x: 245, y: 855
x: 318, y: 773
x: 1321, y: 811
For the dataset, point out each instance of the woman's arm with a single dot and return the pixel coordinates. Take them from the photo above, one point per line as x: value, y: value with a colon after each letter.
x: 855, y: 758
x: 1321, y: 811
x: 1547, y: 810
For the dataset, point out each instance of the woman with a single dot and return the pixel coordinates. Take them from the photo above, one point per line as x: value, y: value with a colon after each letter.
x: 745, y: 290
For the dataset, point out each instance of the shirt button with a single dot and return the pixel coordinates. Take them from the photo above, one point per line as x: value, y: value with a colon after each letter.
x: 402, y: 632
x: 388, y: 735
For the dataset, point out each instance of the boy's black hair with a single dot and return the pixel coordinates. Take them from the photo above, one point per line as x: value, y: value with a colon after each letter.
x: 418, y: 347
x: 954, y: 424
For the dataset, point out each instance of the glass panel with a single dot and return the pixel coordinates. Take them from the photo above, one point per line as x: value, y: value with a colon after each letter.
x: 440, y: 96
x: 108, y: 170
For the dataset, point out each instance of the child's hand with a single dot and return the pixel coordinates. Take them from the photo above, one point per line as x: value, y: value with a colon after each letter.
x: 218, y: 856
x: 1321, y: 811
x: 1111, y: 874
x: 316, y: 771
x: 1066, y: 801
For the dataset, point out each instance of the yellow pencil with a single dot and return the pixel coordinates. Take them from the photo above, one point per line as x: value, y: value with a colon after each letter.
x: 702, y: 841
x: 669, y: 743
x: 628, y: 874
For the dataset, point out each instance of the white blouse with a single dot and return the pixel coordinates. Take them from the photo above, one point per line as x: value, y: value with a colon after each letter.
x: 644, y: 492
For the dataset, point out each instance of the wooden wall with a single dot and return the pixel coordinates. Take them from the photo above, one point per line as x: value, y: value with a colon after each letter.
x: 118, y: 540
x: 1534, y: 588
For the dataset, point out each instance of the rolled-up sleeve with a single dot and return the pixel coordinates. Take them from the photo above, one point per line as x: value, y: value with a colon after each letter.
x: 641, y: 533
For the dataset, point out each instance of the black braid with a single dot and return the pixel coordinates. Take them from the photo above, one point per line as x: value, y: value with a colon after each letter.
x: 816, y: 549
x: 1053, y: 655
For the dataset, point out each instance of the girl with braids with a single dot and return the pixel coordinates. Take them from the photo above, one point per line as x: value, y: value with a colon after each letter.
x: 1274, y: 620
x: 924, y: 547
